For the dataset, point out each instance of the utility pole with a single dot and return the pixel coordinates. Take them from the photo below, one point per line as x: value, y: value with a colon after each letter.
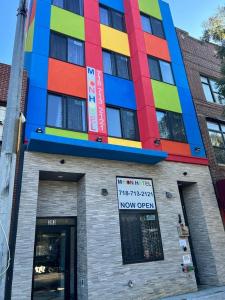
x: 9, y: 143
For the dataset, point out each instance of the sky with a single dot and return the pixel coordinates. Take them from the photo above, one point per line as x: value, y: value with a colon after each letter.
x: 187, y: 15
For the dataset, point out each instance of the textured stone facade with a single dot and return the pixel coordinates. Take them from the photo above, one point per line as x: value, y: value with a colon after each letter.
x: 100, y: 267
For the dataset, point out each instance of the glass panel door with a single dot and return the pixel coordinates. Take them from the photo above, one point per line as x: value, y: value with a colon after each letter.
x: 51, y: 267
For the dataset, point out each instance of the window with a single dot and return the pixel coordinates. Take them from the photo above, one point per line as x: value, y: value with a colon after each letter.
x: 217, y: 136
x: 160, y: 70
x: 122, y: 123
x: 140, y: 236
x: 152, y: 25
x: 171, y: 126
x: 75, y: 6
x: 211, y: 91
x: 67, y: 49
x: 116, y: 64
x: 66, y: 112
x: 112, y: 18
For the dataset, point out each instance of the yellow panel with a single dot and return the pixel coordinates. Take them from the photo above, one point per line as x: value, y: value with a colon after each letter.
x: 127, y: 143
x: 115, y: 40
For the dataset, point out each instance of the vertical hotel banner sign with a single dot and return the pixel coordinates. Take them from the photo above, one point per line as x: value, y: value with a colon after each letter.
x: 96, y: 101
x: 135, y: 193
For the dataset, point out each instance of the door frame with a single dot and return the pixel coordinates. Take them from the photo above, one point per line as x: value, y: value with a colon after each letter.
x: 67, y: 229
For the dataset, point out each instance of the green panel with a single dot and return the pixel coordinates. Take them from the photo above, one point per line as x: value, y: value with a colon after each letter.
x: 150, y: 7
x: 67, y: 22
x: 30, y: 38
x: 166, y: 96
x: 66, y: 133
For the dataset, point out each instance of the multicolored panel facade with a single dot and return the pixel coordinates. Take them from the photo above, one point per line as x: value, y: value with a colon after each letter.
x: 115, y: 67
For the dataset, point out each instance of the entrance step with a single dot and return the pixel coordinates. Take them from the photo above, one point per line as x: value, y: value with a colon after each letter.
x: 204, y: 293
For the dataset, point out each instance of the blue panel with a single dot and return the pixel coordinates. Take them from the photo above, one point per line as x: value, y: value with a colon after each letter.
x: 39, y: 71
x: 36, y: 106
x: 116, y: 4
x: 119, y: 92
x: 30, y: 129
x: 195, y: 150
x: 27, y: 61
x: 60, y: 145
x: 186, y: 101
x: 41, y: 40
x: 189, y: 114
x: 43, y: 13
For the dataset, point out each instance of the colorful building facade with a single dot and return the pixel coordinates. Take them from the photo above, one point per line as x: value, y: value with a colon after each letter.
x: 115, y: 168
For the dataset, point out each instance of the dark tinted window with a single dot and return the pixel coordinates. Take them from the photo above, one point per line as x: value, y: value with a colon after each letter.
x: 211, y: 91
x: 75, y: 6
x: 112, y: 18
x: 66, y: 113
x: 160, y: 70
x: 67, y: 49
x: 154, y: 69
x: 157, y: 28
x: 122, y: 123
x: 116, y: 64
x: 140, y: 237
x: 171, y: 126
x: 217, y: 137
x: 152, y: 25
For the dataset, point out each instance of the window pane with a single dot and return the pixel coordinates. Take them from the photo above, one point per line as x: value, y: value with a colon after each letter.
x: 113, y: 121
x: 157, y: 27
x: 74, y: 5
x: 163, y: 125
x: 108, y: 63
x: 129, y: 124
x: 204, y: 80
x: 220, y: 155
x: 58, y: 3
x: 122, y: 66
x: 104, y: 16
x: 213, y: 126
x: 58, y: 47
x: 76, y: 114
x: 223, y: 128
x: 214, y: 85
x: 118, y: 21
x: 75, y: 52
x: 146, y: 24
x: 207, y: 92
x: 55, y: 111
x: 166, y: 71
x: 177, y: 127
x: 140, y: 237
x: 154, y: 69
x: 216, y: 139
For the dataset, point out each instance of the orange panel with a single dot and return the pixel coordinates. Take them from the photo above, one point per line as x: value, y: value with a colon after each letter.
x: 176, y: 148
x: 67, y: 78
x: 156, y: 46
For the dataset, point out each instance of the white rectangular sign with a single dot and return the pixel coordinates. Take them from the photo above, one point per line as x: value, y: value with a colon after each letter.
x: 135, y: 193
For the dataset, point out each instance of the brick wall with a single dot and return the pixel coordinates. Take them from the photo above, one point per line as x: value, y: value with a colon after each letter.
x: 200, y: 58
x: 4, y: 84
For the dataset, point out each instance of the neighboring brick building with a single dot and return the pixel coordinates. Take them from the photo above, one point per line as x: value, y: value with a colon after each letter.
x: 202, y: 64
x: 4, y: 84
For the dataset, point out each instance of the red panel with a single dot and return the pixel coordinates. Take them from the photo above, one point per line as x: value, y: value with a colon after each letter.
x: 91, y: 10
x: 188, y: 160
x: 156, y: 46
x: 176, y: 148
x: 67, y: 79
x: 33, y: 11
x: 93, y: 56
x: 92, y: 32
x: 148, y: 124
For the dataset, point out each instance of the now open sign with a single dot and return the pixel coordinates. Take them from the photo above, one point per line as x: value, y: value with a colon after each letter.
x: 135, y: 193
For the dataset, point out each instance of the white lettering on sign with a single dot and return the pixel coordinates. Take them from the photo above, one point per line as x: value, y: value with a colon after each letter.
x: 96, y: 101
x: 134, y: 193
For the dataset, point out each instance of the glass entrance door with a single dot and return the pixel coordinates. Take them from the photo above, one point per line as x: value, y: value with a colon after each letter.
x: 54, y: 263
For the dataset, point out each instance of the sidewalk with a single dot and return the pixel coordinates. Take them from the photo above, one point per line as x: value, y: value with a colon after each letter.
x: 205, y: 293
